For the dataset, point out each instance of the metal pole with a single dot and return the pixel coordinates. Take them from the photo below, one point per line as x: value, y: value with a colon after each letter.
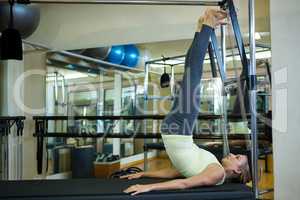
x: 223, y: 43
x: 3, y: 157
x: 165, y: 59
x: 63, y: 91
x: 129, y: 2
x: 172, y: 85
x: 226, y: 149
x: 21, y: 156
x: 56, y: 88
x: 18, y: 159
x: 6, y: 156
x: 252, y: 96
x: 146, y: 84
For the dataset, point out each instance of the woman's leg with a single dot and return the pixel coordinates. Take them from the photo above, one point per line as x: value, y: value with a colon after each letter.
x: 185, y: 109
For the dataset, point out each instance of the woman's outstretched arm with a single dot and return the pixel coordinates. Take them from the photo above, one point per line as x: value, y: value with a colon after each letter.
x: 212, y: 175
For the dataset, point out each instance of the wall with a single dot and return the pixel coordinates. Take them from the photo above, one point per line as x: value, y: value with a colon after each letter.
x: 35, y: 99
x: 9, y: 72
x: 285, y: 28
x: 83, y: 26
x: 26, y: 100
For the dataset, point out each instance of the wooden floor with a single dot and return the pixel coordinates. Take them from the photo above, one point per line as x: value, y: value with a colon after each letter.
x: 266, y: 179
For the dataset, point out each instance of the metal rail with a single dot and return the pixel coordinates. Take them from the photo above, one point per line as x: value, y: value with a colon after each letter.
x: 130, y: 2
x: 12, y: 118
x: 252, y: 97
x: 139, y: 136
x: 102, y: 63
x: 118, y: 117
x: 136, y: 117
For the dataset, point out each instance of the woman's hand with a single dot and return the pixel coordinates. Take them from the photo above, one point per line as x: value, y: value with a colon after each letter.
x: 138, y: 189
x: 133, y: 176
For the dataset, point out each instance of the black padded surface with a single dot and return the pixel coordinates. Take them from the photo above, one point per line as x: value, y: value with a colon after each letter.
x: 91, y: 189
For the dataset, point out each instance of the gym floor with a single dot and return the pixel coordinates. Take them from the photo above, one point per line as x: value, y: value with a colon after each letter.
x: 266, y: 180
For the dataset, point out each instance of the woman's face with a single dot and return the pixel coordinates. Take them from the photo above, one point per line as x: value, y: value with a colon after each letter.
x: 234, y: 162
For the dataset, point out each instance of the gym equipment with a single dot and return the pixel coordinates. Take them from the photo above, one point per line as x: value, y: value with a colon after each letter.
x: 107, y: 157
x: 42, y: 121
x: 212, y: 61
x: 250, y: 74
x: 165, y: 79
x: 132, y: 2
x: 83, y: 162
x: 11, y: 42
x: 89, y: 189
x: 132, y: 55
x: 11, y: 45
x: 62, y: 158
x: 125, y: 172
x: 100, y: 157
x: 118, y: 174
x: 116, y: 54
x: 251, y: 81
x: 252, y: 67
x: 98, y: 53
x: 133, y: 170
x: 7, y: 125
x: 26, y: 18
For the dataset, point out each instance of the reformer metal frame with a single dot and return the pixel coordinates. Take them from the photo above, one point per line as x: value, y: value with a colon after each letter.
x: 42, y: 132
x: 248, y: 66
x: 128, y: 2
x: 251, y: 66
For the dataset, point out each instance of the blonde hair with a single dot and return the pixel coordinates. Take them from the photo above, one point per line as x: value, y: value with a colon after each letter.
x: 245, y: 176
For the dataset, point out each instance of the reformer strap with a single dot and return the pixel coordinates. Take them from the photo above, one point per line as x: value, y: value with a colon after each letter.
x: 215, y: 46
x: 212, y: 61
x: 221, y: 65
x: 238, y: 37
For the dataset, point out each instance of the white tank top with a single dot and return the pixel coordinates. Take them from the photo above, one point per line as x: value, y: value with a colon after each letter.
x: 187, y: 157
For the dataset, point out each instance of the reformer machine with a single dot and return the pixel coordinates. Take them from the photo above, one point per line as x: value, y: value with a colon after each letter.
x: 248, y: 76
x: 90, y: 189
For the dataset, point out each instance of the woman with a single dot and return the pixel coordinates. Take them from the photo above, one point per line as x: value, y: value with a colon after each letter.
x: 198, y: 166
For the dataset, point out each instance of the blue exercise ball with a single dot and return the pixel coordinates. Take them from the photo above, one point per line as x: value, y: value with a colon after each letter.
x: 116, y: 54
x: 132, y: 55
x: 26, y: 18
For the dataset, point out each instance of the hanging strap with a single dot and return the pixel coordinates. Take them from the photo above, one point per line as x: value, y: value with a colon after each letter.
x: 212, y: 61
x: 11, y: 6
x: 221, y: 65
x: 238, y: 37
x: 215, y: 46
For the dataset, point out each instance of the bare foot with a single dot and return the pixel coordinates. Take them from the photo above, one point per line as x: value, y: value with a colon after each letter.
x: 212, y: 18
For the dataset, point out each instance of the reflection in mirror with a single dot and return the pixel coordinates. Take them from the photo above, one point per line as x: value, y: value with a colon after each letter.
x: 106, y: 81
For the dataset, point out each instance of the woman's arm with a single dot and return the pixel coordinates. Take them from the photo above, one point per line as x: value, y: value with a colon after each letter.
x: 168, y: 173
x: 212, y: 175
